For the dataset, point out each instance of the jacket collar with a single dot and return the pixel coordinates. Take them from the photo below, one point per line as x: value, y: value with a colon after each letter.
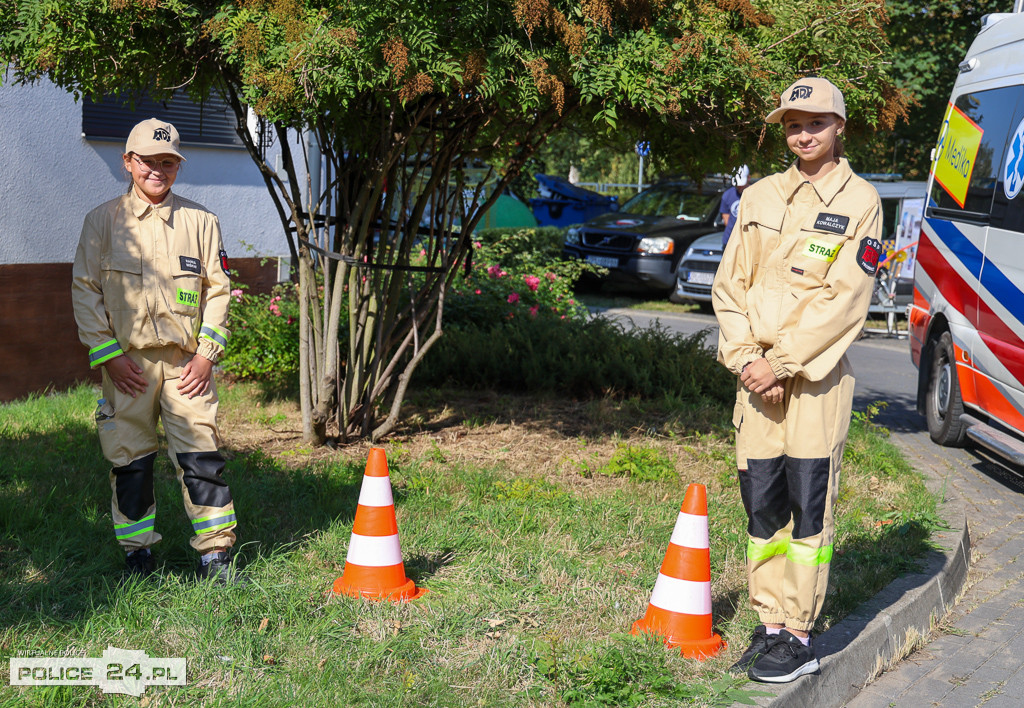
x: 827, y: 187
x: 141, y: 206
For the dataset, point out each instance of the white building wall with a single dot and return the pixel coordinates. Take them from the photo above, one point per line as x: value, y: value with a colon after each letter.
x: 51, y: 176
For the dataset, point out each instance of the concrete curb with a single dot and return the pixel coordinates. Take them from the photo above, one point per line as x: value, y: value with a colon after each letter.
x: 855, y: 649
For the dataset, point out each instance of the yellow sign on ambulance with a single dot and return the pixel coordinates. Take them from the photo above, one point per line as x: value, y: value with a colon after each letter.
x: 956, y: 153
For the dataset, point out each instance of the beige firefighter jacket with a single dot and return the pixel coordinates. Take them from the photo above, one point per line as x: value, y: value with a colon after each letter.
x: 151, y: 276
x: 797, y: 275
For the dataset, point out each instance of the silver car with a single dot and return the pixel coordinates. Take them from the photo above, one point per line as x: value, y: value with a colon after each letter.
x: 697, y: 269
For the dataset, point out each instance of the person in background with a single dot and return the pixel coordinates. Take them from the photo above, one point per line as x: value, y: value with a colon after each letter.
x: 151, y: 291
x: 791, y: 295
x: 731, y: 201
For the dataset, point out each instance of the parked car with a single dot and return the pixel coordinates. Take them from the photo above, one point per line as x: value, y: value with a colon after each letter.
x: 641, y: 244
x: 902, y: 205
x: 697, y: 270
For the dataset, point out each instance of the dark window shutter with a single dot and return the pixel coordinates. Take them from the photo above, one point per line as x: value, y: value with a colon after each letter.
x: 211, y: 122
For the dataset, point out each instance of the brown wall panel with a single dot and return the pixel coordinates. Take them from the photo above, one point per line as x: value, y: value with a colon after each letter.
x: 39, y: 345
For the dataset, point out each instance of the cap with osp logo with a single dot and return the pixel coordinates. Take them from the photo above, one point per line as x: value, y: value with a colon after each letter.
x: 154, y: 137
x: 811, y: 95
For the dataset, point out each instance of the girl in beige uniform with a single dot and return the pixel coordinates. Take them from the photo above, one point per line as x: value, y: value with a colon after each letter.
x: 150, y: 294
x: 791, y: 295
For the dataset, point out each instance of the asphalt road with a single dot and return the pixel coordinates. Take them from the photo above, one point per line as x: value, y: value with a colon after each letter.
x: 881, y: 365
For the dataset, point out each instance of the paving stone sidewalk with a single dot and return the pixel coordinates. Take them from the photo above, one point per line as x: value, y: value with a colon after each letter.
x: 976, y: 657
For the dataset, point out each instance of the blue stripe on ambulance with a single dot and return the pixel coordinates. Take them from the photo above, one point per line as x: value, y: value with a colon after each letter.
x: 992, y: 279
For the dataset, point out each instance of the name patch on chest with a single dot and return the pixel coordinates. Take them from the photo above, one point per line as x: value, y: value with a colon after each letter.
x: 190, y: 264
x: 821, y: 250
x: 188, y: 297
x: 835, y: 223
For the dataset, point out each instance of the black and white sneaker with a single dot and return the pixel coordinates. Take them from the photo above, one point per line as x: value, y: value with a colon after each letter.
x: 786, y: 660
x: 139, y: 564
x: 760, y: 640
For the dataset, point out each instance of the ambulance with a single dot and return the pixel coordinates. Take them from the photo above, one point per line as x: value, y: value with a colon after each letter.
x: 967, y: 317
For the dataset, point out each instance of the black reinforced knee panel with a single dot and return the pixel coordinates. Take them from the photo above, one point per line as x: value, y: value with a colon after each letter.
x: 765, y: 497
x: 133, y: 485
x: 202, y: 478
x: 808, y: 490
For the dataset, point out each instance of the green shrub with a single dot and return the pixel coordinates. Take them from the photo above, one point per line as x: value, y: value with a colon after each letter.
x: 577, y: 357
x: 640, y: 463
x: 515, y: 273
x: 264, y: 341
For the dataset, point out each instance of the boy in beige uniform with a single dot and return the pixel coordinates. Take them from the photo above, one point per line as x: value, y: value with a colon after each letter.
x: 791, y: 295
x: 151, y: 295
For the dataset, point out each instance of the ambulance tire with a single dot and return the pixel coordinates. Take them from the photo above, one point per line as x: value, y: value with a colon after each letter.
x: 943, y: 404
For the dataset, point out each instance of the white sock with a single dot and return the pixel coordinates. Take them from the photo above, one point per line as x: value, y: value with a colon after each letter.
x: 772, y: 631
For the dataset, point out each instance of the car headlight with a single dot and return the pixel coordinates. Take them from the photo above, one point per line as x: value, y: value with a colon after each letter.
x: 572, y: 236
x: 661, y: 245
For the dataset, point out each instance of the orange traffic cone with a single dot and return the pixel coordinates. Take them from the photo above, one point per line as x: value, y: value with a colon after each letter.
x: 680, y: 607
x: 373, y: 567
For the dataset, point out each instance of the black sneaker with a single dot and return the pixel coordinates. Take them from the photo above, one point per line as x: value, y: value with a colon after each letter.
x: 759, y: 643
x: 220, y: 569
x: 787, y: 659
x: 139, y: 564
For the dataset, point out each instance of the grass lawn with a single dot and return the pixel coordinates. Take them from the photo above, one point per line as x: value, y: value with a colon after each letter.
x: 538, y: 526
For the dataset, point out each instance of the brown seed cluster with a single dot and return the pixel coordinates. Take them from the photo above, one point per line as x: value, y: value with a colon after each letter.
x: 396, y: 54
x: 546, y: 83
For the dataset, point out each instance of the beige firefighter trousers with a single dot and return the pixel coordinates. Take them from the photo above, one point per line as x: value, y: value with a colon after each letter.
x: 788, y: 455
x: 128, y: 435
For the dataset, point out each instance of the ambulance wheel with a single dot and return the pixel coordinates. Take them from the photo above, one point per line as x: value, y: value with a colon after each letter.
x: 943, y: 405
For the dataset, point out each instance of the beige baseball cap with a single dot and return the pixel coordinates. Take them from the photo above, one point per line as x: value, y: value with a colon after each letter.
x: 154, y: 137
x: 813, y: 95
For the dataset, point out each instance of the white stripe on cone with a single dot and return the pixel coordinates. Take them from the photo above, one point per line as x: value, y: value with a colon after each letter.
x: 691, y: 531
x: 375, y: 551
x: 376, y: 491
x: 683, y: 596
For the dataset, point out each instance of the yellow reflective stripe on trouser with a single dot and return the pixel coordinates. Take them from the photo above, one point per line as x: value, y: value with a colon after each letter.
x: 135, y: 528
x: 803, y: 554
x: 214, y: 523
x: 763, y: 551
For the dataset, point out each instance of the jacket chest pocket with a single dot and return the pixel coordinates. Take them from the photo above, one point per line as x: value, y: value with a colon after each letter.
x: 186, y: 287
x: 817, y: 246
x: 121, y: 280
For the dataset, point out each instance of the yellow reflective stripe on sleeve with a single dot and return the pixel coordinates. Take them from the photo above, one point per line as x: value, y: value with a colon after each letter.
x: 214, y: 334
x: 104, y: 352
x: 802, y: 554
x: 821, y: 250
x: 764, y: 551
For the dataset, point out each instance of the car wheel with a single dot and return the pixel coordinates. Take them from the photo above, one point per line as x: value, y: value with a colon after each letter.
x: 943, y: 404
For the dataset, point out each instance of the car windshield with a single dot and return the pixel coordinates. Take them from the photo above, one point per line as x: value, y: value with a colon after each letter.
x: 675, y: 200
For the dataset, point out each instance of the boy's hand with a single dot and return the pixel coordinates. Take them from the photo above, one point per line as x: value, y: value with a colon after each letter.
x: 126, y: 375
x: 195, y: 377
x: 758, y: 376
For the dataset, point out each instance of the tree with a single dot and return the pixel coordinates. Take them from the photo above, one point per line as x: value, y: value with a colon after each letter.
x: 928, y: 41
x: 405, y: 98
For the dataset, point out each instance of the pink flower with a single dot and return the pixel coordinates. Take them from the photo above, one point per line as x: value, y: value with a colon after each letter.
x: 477, y: 244
x: 551, y: 276
x: 494, y: 271
x: 502, y: 274
x: 290, y: 320
x: 533, y: 310
x: 563, y: 317
x: 532, y: 282
x: 237, y: 294
x: 477, y: 291
x: 513, y: 298
x: 275, y: 309
x: 423, y: 251
x: 572, y: 302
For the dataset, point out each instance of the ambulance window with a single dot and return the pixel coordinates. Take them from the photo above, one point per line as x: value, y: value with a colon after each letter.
x: 1008, y: 204
x: 969, y: 153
